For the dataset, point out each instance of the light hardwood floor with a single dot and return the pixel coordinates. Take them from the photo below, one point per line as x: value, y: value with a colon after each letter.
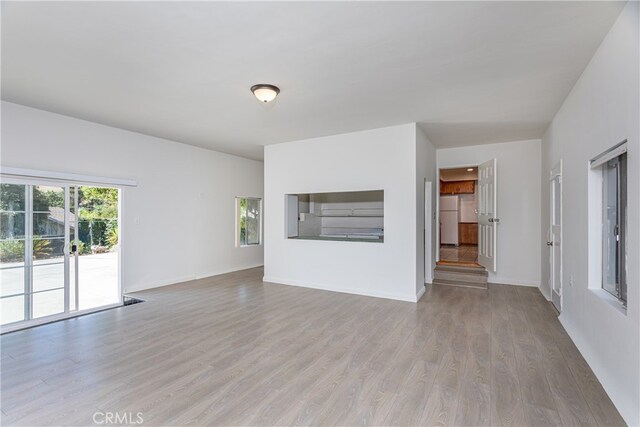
x: 231, y: 350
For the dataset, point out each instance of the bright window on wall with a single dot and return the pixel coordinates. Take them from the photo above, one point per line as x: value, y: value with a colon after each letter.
x: 249, y: 213
x: 613, y: 165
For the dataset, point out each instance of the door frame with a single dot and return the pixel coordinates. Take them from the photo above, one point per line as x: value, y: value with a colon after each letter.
x: 428, y: 231
x: 555, y: 173
x: 50, y: 179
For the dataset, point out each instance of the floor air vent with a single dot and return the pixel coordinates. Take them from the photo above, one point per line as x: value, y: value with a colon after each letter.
x: 131, y: 300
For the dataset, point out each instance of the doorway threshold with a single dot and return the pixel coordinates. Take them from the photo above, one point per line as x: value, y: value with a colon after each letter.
x: 126, y: 301
x: 460, y: 263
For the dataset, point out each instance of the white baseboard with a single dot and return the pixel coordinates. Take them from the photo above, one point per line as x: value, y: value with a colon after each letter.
x: 159, y: 284
x: 220, y: 272
x: 544, y: 294
x: 598, y: 370
x: 420, y: 293
x: 514, y: 282
x: 363, y: 292
x: 187, y: 279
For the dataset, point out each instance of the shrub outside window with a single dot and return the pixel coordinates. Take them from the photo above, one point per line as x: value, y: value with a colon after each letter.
x: 249, y: 221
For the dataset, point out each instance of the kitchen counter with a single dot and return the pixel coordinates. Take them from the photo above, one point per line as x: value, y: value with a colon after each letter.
x: 379, y: 239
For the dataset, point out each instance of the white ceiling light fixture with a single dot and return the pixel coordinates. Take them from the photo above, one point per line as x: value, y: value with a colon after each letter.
x: 265, y: 92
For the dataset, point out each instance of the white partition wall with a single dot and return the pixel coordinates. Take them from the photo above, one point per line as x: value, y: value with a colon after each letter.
x: 380, y: 159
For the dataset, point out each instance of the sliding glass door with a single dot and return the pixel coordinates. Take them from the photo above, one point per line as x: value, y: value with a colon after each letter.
x: 13, y: 266
x: 58, y: 249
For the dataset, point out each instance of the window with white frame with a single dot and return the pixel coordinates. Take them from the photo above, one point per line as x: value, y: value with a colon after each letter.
x: 613, y: 166
x: 249, y: 213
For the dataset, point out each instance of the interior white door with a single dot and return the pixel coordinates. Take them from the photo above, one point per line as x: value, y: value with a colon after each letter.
x: 554, y: 240
x: 488, y: 214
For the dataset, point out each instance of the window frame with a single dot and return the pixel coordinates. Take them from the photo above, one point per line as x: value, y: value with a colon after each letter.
x: 620, y: 164
x: 603, y: 165
x: 239, y: 243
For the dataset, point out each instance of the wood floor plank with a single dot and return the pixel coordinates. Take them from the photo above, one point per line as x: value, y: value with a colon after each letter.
x: 443, y: 397
x: 506, y: 401
x: 572, y: 408
x: 538, y: 402
x: 404, y: 386
x: 232, y: 350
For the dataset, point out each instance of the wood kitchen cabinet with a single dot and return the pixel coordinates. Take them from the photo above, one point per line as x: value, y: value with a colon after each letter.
x: 468, y: 233
x: 457, y: 187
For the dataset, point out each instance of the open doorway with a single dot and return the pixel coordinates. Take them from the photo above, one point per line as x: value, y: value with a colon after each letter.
x: 458, y: 215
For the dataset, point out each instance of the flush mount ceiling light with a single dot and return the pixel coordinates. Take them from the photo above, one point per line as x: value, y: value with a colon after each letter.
x: 470, y: 170
x: 264, y: 92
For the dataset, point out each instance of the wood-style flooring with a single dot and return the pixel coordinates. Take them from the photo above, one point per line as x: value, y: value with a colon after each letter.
x: 231, y: 350
x: 462, y: 253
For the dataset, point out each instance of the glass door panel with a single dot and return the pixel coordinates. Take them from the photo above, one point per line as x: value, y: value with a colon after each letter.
x: 12, y: 309
x: 48, y: 252
x: 73, y: 250
x: 12, y: 225
x: 47, y: 303
x: 97, y: 234
x: 12, y: 252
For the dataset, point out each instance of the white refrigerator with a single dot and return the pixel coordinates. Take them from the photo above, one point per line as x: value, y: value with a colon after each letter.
x: 449, y: 218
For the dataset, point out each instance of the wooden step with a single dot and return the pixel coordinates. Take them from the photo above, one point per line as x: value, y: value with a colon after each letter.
x: 451, y: 275
x: 463, y: 268
x: 461, y: 284
x: 460, y: 263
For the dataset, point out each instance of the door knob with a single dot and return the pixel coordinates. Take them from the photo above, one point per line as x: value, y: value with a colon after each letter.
x: 549, y: 243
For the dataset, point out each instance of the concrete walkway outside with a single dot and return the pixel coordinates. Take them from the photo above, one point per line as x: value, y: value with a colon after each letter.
x: 98, y: 285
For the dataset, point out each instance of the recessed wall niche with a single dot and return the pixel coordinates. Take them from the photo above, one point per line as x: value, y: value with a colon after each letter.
x: 350, y: 216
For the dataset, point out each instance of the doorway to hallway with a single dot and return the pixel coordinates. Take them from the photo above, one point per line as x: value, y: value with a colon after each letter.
x: 458, y: 214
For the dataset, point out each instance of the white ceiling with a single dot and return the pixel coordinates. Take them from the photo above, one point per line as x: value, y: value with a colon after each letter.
x: 468, y: 72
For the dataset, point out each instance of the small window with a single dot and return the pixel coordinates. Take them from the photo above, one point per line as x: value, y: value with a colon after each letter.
x: 249, y: 221
x: 614, y: 221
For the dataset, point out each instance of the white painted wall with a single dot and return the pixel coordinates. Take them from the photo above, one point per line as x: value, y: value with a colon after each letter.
x: 184, y: 199
x: 601, y: 110
x: 518, y: 252
x: 380, y: 159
